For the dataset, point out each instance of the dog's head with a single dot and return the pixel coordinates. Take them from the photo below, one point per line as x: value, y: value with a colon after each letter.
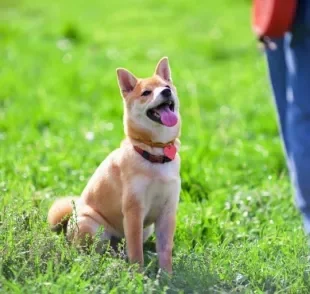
x: 151, y: 104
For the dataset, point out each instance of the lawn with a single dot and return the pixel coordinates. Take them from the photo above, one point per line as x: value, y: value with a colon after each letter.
x: 61, y: 114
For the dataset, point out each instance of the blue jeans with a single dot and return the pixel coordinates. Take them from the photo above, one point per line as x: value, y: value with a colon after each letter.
x: 289, y: 71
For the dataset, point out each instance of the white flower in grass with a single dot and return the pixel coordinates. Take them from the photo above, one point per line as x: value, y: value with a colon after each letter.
x: 89, y: 136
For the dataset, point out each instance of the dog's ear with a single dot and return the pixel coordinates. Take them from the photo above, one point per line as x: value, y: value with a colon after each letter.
x: 163, y: 69
x: 126, y: 80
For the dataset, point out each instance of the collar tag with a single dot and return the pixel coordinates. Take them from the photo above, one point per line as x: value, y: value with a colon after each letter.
x: 170, y: 151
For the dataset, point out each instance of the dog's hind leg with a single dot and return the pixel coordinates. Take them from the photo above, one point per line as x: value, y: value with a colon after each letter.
x: 82, y: 230
x: 147, y: 232
x: 85, y: 228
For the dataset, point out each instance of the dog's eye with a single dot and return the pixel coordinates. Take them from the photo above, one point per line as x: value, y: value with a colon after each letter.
x: 146, y: 93
x: 167, y: 86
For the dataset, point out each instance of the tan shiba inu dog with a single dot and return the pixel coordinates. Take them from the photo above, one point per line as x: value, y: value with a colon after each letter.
x: 138, y: 185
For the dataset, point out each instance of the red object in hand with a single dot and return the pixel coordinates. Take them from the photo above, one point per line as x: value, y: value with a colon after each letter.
x: 272, y: 18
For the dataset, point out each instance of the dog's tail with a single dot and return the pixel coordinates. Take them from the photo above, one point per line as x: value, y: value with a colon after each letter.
x: 60, y: 212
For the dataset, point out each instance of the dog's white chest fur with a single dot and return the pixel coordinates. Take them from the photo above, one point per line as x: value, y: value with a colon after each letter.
x: 157, y: 192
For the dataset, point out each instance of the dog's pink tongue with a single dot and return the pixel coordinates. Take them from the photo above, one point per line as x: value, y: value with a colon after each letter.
x: 168, y: 117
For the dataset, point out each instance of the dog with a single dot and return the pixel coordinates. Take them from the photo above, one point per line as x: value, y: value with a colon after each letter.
x: 137, y: 186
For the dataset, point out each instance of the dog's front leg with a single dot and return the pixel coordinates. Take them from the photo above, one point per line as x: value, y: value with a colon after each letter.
x: 165, y: 228
x: 133, y: 228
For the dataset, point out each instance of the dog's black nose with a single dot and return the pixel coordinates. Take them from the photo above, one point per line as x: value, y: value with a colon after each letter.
x: 166, y: 93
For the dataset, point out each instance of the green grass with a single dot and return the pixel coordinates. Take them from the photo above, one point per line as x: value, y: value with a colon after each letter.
x: 237, y: 228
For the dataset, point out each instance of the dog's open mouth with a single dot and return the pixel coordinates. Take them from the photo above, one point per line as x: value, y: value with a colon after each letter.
x: 164, y: 113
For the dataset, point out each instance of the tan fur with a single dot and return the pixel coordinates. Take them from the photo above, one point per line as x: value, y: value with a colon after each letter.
x: 59, y: 212
x: 127, y: 194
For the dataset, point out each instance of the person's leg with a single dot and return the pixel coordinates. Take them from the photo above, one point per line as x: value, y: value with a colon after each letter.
x: 278, y: 76
x: 297, y: 50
